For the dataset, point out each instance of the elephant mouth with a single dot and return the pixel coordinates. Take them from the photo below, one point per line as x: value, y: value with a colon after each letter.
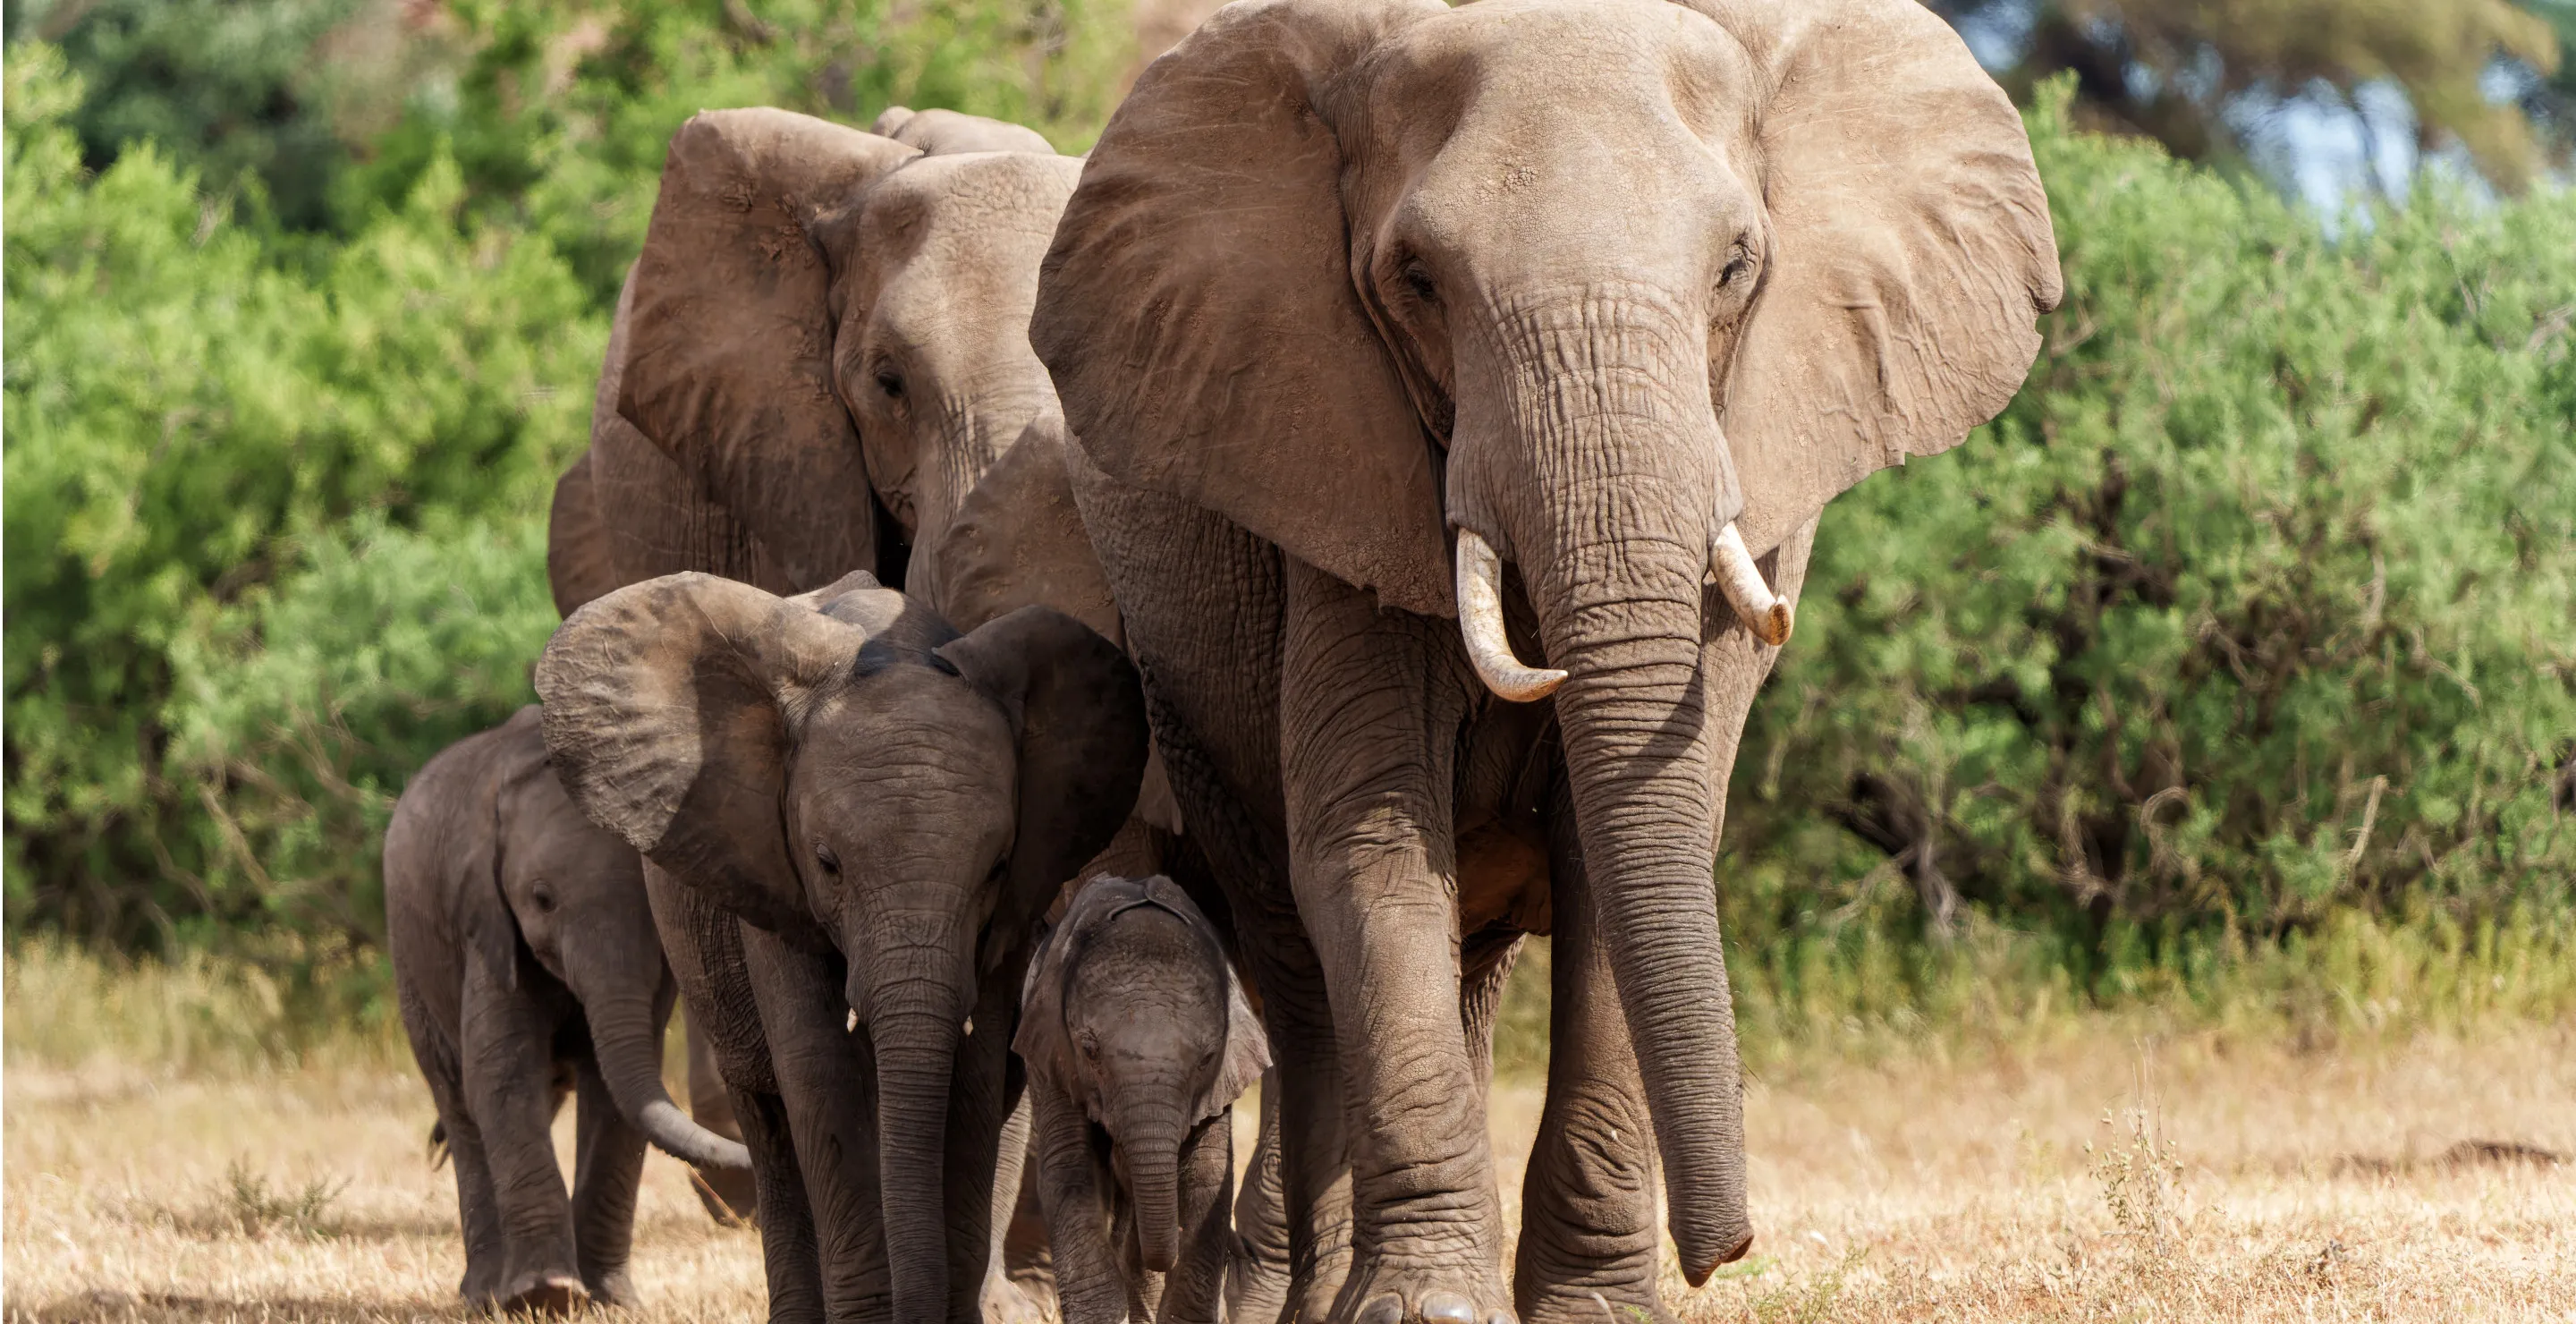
x: 1480, y: 611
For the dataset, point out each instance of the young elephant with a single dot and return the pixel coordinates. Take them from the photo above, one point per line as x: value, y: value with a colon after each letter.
x: 885, y: 805
x: 1138, y: 1038
x: 526, y: 966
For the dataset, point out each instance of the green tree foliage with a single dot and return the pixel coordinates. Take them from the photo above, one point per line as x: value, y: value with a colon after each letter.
x: 2257, y: 604
x: 2167, y: 68
x: 199, y: 442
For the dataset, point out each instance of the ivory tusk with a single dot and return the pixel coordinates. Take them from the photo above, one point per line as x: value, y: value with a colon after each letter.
x: 1480, y: 619
x: 1762, y: 611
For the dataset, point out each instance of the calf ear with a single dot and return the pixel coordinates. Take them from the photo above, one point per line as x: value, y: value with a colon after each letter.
x: 1079, y: 712
x: 1042, y: 1041
x: 671, y: 707
x: 479, y: 846
x: 1247, y: 1047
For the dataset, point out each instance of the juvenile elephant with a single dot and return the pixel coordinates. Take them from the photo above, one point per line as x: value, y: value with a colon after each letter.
x: 887, y: 805
x: 525, y: 965
x: 1138, y: 1040
x: 1619, y: 294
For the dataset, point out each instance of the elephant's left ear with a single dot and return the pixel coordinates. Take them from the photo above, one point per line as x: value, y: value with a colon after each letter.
x: 1911, y: 252
x: 488, y: 929
x: 1247, y: 1048
x: 1079, y: 711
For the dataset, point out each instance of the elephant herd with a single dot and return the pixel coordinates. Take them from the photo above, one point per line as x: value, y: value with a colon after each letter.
x: 1051, y: 641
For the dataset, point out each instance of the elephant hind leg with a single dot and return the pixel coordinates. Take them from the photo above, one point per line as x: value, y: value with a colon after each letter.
x: 1589, y: 1240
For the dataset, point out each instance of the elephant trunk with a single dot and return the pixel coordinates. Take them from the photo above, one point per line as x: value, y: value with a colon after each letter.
x: 1149, y: 1140
x: 626, y: 1034
x: 914, y: 1028
x: 1593, y: 458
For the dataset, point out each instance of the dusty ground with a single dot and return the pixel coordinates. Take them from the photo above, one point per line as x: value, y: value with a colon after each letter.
x: 2096, y: 1179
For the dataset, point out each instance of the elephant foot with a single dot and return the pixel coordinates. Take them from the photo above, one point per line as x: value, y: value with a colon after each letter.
x: 1256, y: 1290
x: 613, y: 1288
x: 1004, y: 1302
x: 544, y: 1292
x: 1389, y: 1294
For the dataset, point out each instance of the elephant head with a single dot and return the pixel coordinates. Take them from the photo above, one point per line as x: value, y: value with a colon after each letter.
x: 1133, y: 1012
x: 842, y: 768
x: 1622, y: 292
x: 542, y: 876
x: 823, y: 344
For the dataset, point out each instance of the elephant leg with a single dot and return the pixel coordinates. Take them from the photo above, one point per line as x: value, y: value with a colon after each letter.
x: 608, y: 1167
x: 1589, y: 1239
x: 983, y: 1094
x: 1204, y: 603
x: 1004, y: 1300
x: 1485, y: 965
x: 509, y: 1078
x: 728, y: 1196
x: 830, y: 1100
x: 1090, y: 1281
x: 704, y: 946
x: 478, y: 1213
x: 1195, y: 1289
x: 1371, y: 704
x: 1027, y: 1254
x: 1256, y: 1287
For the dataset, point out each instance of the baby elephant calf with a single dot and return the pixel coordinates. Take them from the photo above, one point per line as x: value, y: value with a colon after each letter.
x: 527, y: 967
x: 1138, y: 1038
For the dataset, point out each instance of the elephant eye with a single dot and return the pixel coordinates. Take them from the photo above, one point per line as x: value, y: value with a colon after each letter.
x: 823, y: 856
x: 1417, y: 278
x: 890, y: 382
x: 544, y: 900
x: 1089, y: 1043
x: 1737, y: 268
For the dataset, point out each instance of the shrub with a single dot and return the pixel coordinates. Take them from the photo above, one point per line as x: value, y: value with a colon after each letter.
x: 2257, y: 604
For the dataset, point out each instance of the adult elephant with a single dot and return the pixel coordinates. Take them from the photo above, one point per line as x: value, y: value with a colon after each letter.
x: 1622, y: 293
x: 820, y: 364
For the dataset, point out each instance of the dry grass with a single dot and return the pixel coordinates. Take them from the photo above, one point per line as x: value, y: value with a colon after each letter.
x: 2088, y: 1177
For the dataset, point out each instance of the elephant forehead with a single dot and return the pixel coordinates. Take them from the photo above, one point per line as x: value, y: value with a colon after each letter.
x: 913, y: 724
x: 980, y: 196
x: 1562, y: 62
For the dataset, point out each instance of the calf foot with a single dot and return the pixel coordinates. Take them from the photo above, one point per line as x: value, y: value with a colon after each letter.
x: 543, y: 1292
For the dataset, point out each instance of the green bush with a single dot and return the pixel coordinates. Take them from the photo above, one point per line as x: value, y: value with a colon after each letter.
x: 2257, y: 605
x: 203, y: 448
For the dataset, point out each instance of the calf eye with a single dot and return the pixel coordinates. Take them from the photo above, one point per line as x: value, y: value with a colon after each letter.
x: 823, y: 856
x: 544, y: 900
x: 890, y: 382
x: 1089, y: 1043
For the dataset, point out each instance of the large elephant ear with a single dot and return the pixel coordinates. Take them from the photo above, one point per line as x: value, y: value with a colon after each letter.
x: 1017, y: 541
x: 1079, y: 713
x: 728, y: 362
x: 670, y: 709
x: 1911, y: 252
x: 1198, y: 315
x: 949, y: 132
x: 578, y: 564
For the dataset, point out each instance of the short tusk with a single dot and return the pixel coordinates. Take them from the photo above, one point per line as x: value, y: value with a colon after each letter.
x: 1480, y: 619
x: 1762, y: 611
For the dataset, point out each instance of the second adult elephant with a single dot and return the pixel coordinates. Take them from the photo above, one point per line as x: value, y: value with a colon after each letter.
x: 887, y: 805
x: 1539, y: 329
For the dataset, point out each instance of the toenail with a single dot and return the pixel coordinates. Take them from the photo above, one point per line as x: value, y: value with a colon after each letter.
x: 1384, y: 1309
x: 1447, y: 1308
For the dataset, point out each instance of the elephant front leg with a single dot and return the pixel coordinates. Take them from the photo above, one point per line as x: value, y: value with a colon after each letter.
x: 606, y: 1173
x: 1589, y: 1240
x: 1194, y: 1291
x: 1256, y: 1286
x: 509, y: 1086
x: 1090, y: 1287
x: 830, y: 1100
x: 1371, y: 703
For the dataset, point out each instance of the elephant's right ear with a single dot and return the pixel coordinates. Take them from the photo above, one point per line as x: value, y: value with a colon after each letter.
x: 1198, y: 314
x: 728, y: 363
x: 670, y: 709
